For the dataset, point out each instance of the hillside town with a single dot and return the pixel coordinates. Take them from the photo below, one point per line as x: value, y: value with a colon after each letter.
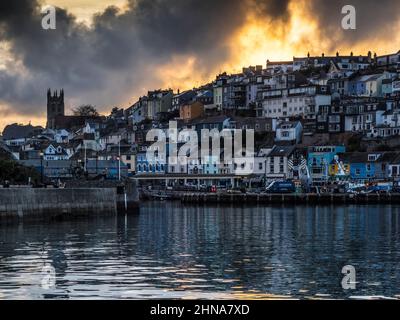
x: 319, y: 122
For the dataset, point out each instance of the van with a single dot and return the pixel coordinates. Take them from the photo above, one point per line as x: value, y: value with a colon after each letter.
x: 281, y: 187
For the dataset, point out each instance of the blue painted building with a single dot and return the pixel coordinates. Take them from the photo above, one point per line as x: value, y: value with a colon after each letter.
x: 319, y: 161
x: 357, y: 87
x: 155, y: 164
x: 366, y: 167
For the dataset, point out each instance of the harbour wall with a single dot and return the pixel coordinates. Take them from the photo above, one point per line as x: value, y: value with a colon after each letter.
x: 127, y: 192
x: 47, y: 204
x: 291, y: 199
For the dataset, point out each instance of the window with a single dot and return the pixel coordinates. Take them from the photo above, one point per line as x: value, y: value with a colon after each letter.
x: 285, y: 134
x: 260, y: 166
x: 317, y: 171
x: 358, y: 172
x: 372, y: 157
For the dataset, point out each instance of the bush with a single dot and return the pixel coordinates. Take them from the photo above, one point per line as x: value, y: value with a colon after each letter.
x: 17, y: 173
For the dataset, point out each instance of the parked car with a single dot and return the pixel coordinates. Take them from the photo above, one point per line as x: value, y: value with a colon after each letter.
x: 380, y: 188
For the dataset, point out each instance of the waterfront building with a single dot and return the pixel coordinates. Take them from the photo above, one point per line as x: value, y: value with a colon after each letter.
x: 394, y: 168
x: 366, y: 167
x: 211, y: 165
x: 319, y: 160
x: 155, y: 163
x: 277, y: 162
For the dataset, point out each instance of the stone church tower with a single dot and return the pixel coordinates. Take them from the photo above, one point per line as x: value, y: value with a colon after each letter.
x: 55, y: 107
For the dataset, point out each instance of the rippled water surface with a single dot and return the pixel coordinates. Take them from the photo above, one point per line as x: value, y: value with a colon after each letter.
x: 175, y: 251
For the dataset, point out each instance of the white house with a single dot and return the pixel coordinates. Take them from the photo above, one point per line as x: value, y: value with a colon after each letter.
x: 62, y: 136
x: 277, y: 162
x: 55, y: 152
x: 289, y: 131
x: 294, y: 102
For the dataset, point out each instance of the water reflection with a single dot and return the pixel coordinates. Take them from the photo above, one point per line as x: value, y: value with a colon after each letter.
x: 175, y: 251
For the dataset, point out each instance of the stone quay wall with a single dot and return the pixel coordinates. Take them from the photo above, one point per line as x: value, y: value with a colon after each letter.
x: 38, y: 204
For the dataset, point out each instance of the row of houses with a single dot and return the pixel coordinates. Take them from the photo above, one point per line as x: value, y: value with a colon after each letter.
x: 328, y: 94
x: 284, y: 103
x: 316, y: 165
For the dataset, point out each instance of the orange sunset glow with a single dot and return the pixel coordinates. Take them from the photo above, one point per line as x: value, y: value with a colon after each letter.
x: 258, y: 39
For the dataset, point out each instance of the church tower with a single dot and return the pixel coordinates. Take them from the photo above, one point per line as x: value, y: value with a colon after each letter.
x: 55, y: 107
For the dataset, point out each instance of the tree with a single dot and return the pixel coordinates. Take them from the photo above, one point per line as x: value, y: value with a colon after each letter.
x: 17, y: 173
x: 86, y: 111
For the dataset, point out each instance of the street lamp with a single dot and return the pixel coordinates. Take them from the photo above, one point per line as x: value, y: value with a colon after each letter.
x: 79, y: 169
x: 41, y: 154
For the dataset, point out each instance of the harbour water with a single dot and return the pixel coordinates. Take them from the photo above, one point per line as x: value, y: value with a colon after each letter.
x: 174, y: 251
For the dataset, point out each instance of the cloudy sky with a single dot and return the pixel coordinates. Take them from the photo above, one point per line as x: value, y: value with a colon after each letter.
x: 109, y: 52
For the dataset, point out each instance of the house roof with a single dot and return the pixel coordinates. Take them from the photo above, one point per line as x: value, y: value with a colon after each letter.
x: 215, y: 119
x: 363, y: 157
x: 369, y: 77
x: 289, y: 124
x: 282, y: 151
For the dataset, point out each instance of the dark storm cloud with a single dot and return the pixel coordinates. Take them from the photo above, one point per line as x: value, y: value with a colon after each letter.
x: 105, y: 61
x: 273, y: 9
x: 375, y: 19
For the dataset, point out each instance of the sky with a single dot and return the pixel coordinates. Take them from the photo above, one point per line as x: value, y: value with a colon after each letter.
x: 110, y: 52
